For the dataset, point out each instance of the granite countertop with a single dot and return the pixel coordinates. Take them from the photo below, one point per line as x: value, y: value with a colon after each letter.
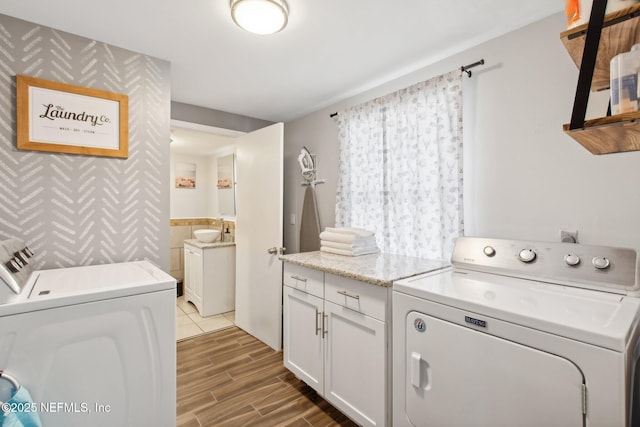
x: 198, y: 244
x: 378, y: 269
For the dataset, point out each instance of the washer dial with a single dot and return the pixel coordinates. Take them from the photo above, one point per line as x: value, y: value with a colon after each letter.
x: 489, y: 251
x: 600, y: 262
x: 572, y: 259
x: 527, y: 255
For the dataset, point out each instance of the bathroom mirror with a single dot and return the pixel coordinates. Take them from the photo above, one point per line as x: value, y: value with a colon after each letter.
x: 226, y: 185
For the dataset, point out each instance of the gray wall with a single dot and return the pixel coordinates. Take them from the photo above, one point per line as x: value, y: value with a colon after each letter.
x: 78, y: 210
x: 524, y: 178
x: 216, y: 118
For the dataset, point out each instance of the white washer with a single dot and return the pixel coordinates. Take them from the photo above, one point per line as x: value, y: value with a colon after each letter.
x: 519, y: 334
x: 94, y: 345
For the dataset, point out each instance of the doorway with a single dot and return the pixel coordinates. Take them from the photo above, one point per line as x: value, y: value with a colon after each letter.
x: 259, y: 232
x: 197, y: 201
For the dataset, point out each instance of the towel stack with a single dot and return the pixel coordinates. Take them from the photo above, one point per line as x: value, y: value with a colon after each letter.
x: 348, y: 241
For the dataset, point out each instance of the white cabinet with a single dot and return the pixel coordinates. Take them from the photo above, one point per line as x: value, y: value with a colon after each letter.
x: 193, y: 271
x: 210, y: 278
x: 336, y: 333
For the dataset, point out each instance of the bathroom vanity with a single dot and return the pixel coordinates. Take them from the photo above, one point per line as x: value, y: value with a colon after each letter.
x: 210, y: 276
x: 337, y: 327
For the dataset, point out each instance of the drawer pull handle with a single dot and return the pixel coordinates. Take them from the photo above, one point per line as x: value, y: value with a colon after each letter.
x: 318, y: 329
x: 302, y: 279
x: 347, y: 294
x: 325, y: 331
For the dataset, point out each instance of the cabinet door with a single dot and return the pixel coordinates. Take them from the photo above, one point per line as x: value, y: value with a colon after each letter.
x: 303, y: 341
x: 197, y: 267
x: 218, y: 280
x: 187, y: 270
x: 193, y: 276
x: 355, y: 364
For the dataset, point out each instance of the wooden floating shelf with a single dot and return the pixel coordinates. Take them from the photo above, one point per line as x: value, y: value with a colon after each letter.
x: 607, y: 135
x: 620, y: 31
x: 621, y: 132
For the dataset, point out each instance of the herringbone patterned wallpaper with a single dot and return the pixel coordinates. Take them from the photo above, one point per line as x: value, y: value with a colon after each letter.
x: 78, y: 210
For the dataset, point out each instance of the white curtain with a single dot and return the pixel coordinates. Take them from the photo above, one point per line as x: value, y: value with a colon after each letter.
x: 400, y: 168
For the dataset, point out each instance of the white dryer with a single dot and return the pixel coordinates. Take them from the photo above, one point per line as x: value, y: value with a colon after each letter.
x: 519, y: 334
x: 94, y: 345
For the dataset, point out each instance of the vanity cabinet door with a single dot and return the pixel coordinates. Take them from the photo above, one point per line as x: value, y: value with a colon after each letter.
x: 188, y: 272
x: 218, y: 280
x: 355, y: 379
x: 303, y: 343
x: 193, y: 267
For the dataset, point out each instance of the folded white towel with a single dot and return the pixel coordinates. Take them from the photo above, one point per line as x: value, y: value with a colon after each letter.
x: 346, y: 238
x: 349, y: 246
x: 346, y: 252
x: 360, y: 232
x: 337, y: 237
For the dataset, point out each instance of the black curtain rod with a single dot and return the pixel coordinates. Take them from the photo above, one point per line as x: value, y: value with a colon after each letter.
x: 464, y: 69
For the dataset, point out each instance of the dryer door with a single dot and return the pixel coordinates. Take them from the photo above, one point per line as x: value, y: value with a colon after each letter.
x: 457, y: 376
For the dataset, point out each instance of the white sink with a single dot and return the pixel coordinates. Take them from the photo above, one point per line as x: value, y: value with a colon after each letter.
x: 206, y: 235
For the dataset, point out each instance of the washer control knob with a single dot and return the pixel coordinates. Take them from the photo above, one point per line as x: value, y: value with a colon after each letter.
x: 600, y: 262
x: 18, y: 261
x: 572, y: 259
x: 527, y: 255
x: 22, y: 257
x: 489, y: 251
x: 13, y: 266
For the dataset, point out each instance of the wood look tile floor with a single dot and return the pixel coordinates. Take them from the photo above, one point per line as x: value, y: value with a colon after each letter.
x: 229, y: 378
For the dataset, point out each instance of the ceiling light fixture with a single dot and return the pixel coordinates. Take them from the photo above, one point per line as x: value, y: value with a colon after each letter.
x: 260, y: 16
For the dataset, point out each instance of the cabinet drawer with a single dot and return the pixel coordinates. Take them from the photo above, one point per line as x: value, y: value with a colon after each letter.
x: 304, y: 279
x: 359, y: 296
x: 193, y: 249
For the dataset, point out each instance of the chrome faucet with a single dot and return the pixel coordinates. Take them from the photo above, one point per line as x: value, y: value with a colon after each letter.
x: 221, y: 219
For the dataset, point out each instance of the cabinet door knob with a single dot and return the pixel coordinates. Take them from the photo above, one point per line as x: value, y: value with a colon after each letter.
x: 272, y: 251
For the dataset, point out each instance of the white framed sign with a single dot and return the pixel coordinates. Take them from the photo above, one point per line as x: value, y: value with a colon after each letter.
x: 63, y: 118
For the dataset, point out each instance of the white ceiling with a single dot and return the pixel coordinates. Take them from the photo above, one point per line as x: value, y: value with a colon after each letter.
x: 331, y: 49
